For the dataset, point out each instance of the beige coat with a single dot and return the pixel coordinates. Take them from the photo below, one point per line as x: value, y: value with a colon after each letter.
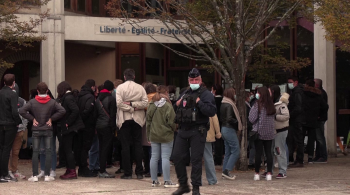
x: 214, y: 131
x: 282, y: 112
x: 132, y: 92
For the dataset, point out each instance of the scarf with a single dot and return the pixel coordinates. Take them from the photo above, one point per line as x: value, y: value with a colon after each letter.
x: 229, y: 101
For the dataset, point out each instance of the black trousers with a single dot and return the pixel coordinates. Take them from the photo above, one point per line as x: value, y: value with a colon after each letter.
x: 260, y: 146
x: 131, y: 138
x: 118, y: 151
x: 184, y: 141
x: 7, y: 137
x: 67, y: 142
x: 311, y: 138
x: 85, y: 141
x: 219, y: 151
x: 105, y: 137
x: 295, y: 140
x: 62, y: 158
x: 146, y: 158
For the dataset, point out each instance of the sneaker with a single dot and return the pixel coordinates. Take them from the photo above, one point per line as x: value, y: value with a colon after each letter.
x: 169, y: 184
x: 52, y: 174
x: 281, y: 176
x: 268, y: 177
x: 125, y: 177
x: 310, y: 161
x: 19, y: 175
x: 105, y: 175
x: 119, y: 171
x: 33, y: 179
x: 2, y: 180
x: 321, y: 160
x: 226, y: 174
x: 9, y: 178
x: 256, y: 177
x: 263, y: 175
x: 156, y: 184
x: 41, y: 174
x: 139, y: 176
x: 216, y: 183
x: 49, y: 178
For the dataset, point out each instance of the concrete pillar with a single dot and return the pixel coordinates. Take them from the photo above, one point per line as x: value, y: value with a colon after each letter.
x: 324, y: 57
x: 52, y: 66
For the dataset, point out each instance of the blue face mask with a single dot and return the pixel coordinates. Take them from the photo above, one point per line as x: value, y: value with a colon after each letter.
x: 115, y: 90
x: 290, y: 85
x: 235, y: 98
x: 194, y: 87
x: 257, y: 96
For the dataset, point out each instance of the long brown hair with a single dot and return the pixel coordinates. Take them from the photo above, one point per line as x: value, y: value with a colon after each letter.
x: 230, y: 93
x: 157, y: 96
x: 265, y: 101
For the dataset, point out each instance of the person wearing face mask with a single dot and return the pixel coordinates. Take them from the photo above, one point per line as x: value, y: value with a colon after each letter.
x: 9, y: 121
x: 295, y: 136
x: 193, y: 109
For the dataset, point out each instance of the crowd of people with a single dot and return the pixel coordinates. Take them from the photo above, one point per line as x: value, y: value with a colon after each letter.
x: 147, y: 125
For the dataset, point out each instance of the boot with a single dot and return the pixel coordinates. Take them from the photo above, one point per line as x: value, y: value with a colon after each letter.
x: 70, y: 174
x: 195, y: 190
x: 182, y: 189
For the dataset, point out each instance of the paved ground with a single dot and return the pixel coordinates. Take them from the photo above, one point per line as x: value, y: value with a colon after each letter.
x: 331, y: 178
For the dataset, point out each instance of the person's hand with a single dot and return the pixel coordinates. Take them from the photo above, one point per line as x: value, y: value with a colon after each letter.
x: 35, y: 123
x: 49, y: 123
x: 67, y: 125
x: 178, y: 102
x: 127, y: 103
x: 198, y: 99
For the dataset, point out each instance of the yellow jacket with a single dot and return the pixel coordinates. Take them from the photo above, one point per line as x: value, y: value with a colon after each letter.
x: 214, y: 131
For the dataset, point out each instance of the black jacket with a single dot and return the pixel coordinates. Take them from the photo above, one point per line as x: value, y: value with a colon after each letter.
x: 86, y: 104
x: 315, y: 107
x: 206, y: 106
x: 72, y: 117
x: 105, y: 117
x: 228, y: 117
x: 8, y: 107
x: 295, y: 105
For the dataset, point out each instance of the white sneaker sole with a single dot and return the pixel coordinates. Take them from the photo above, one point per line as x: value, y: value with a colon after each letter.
x: 171, y: 186
x: 228, y: 177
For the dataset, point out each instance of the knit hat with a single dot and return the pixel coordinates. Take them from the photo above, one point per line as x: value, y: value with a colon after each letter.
x: 108, y: 85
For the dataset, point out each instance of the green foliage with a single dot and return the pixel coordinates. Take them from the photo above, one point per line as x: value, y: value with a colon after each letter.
x: 17, y: 33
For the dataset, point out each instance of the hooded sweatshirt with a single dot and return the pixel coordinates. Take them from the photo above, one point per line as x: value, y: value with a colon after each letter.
x: 160, y: 124
x: 42, y: 109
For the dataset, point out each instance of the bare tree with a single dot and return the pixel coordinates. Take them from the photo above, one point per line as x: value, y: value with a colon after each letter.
x: 222, y: 32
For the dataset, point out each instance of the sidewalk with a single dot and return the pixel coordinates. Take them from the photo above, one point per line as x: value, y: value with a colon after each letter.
x: 331, y: 178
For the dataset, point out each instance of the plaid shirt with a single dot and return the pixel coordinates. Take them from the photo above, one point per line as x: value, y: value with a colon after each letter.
x: 262, y: 123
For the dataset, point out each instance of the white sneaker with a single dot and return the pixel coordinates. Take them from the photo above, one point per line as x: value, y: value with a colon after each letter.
x: 268, y: 177
x: 52, y: 174
x: 49, y: 178
x: 33, y: 179
x: 11, y: 174
x: 41, y: 174
x: 19, y: 175
x: 156, y: 184
x: 256, y: 177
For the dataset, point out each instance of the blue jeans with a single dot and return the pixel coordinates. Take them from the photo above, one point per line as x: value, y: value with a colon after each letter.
x: 94, y: 163
x: 209, y: 163
x: 229, y: 136
x: 42, y: 155
x: 161, y: 151
x: 321, y: 146
x: 280, y: 143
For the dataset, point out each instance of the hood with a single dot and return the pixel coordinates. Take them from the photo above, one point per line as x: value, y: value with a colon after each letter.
x: 312, y: 91
x: 42, y: 100
x: 160, y: 103
x: 285, y: 98
x: 85, y: 90
x: 103, y: 94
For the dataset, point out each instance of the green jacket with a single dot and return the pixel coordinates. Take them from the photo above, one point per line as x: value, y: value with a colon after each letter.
x: 160, y: 128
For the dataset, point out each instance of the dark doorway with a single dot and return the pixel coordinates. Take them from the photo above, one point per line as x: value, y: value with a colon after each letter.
x: 27, y: 75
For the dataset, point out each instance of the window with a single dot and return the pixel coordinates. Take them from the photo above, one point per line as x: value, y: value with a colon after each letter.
x: 153, y: 67
x: 81, y: 5
x: 95, y: 7
x: 175, y: 59
x: 67, y: 4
